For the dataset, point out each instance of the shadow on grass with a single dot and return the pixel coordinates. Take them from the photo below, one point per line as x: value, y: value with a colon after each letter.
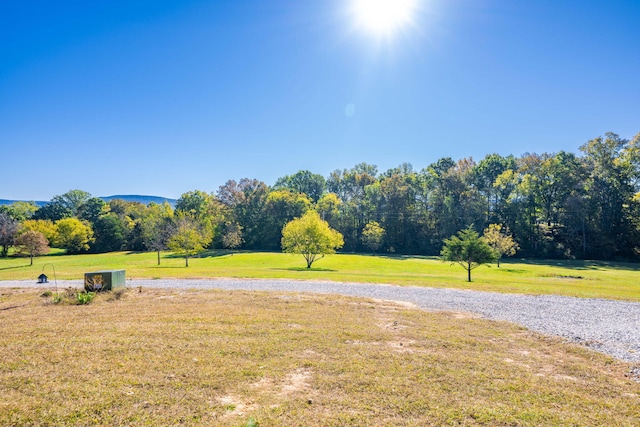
x: 581, y: 264
x: 303, y: 269
x: 512, y: 270
x: 161, y: 266
x: 399, y: 257
x: 207, y: 254
x: 13, y: 267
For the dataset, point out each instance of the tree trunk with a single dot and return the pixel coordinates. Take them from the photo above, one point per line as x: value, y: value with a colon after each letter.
x: 186, y: 260
x: 158, y: 257
x: 31, y: 256
x: 469, y: 273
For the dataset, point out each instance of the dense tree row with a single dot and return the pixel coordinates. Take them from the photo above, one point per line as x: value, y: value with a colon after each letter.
x: 554, y: 205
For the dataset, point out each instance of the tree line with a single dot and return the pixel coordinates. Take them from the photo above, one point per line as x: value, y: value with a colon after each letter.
x: 554, y: 205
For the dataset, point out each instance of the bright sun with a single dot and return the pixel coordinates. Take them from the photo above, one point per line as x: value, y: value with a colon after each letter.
x: 382, y: 17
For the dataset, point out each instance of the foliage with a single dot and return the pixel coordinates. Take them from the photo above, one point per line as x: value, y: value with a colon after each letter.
x: 8, y: 232
x: 73, y: 200
x: 84, y: 298
x: 110, y: 233
x: 188, y: 237
x: 310, y: 236
x: 280, y: 207
x: 244, y: 202
x: 73, y: 235
x: 468, y: 249
x: 303, y: 182
x: 555, y: 205
x: 328, y: 206
x: 44, y: 226
x: 32, y: 243
x: 72, y: 296
x: 196, y: 203
x: 20, y: 211
x: 92, y: 209
x: 373, y: 236
x: 53, y: 212
x: 156, y: 227
x: 502, y: 243
x: 232, y: 236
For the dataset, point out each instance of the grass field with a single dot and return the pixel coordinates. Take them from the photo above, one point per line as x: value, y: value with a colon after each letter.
x: 163, y: 357
x: 572, y: 278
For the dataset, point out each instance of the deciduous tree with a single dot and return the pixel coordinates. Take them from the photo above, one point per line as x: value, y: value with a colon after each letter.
x: 232, y: 236
x: 110, y: 232
x: 245, y: 201
x: 44, y: 226
x: 304, y: 182
x: 373, y: 236
x: 502, y: 243
x: 8, y: 233
x: 188, y: 238
x: 157, y: 227
x: 20, y: 211
x: 311, y: 237
x: 73, y: 235
x: 32, y: 243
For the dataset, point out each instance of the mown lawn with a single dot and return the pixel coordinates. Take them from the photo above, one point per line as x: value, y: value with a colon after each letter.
x: 572, y: 278
x: 169, y: 357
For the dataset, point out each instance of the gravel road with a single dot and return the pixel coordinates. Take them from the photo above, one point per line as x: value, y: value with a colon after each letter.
x: 610, y: 327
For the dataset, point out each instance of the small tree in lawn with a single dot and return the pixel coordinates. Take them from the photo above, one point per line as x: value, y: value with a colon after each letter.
x: 373, y: 236
x: 32, y: 243
x: 468, y: 249
x: 157, y: 228
x: 310, y: 236
x: 189, y: 238
x: 501, y: 243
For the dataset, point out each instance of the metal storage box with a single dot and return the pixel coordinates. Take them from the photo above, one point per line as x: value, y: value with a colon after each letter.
x: 103, y: 280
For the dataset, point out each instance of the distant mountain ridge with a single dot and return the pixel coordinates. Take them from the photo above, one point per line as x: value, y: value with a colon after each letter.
x: 145, y: 200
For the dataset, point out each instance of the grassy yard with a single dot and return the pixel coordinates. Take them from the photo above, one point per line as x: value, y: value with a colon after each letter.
x: 163, y: 357
x: 573, y: 278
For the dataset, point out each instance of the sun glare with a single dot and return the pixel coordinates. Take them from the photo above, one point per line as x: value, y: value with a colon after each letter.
x: 382, y: 17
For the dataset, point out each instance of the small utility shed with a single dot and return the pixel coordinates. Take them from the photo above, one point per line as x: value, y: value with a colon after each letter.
x: 106, y: 280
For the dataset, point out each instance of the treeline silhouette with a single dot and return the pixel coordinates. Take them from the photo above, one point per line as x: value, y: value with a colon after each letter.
x: 558, y: 205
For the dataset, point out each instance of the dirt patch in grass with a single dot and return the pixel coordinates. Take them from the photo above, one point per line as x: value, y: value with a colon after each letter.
x: 170, y: 357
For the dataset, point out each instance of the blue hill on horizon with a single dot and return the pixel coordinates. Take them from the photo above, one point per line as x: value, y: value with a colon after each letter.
x: 145, y: 200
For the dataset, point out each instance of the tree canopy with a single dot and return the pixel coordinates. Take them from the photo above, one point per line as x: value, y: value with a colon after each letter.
x: 468, y: 249
x: 32, y: 243
x: 583, y: 205
x: 373, y: 236
x: 73, y: 235
x: 311, y: 237
x: 501, y: 242
x: 189, y: 238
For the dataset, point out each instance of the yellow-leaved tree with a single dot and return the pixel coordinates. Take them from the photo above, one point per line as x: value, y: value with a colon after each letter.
x: 189, y: 237
x: 502, y: 243
x: 311, y: 237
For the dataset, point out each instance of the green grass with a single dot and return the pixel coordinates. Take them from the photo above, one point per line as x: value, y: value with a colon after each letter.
x: 168, y: 357
x: 572, y: 278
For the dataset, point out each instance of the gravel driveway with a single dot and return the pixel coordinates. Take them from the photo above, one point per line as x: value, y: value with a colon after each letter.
x: 610, y: 327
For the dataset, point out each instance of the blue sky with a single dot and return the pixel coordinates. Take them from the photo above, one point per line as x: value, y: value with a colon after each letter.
x: 162, y: 97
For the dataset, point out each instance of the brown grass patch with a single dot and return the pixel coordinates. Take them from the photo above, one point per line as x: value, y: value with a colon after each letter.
x: 169, y: 357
